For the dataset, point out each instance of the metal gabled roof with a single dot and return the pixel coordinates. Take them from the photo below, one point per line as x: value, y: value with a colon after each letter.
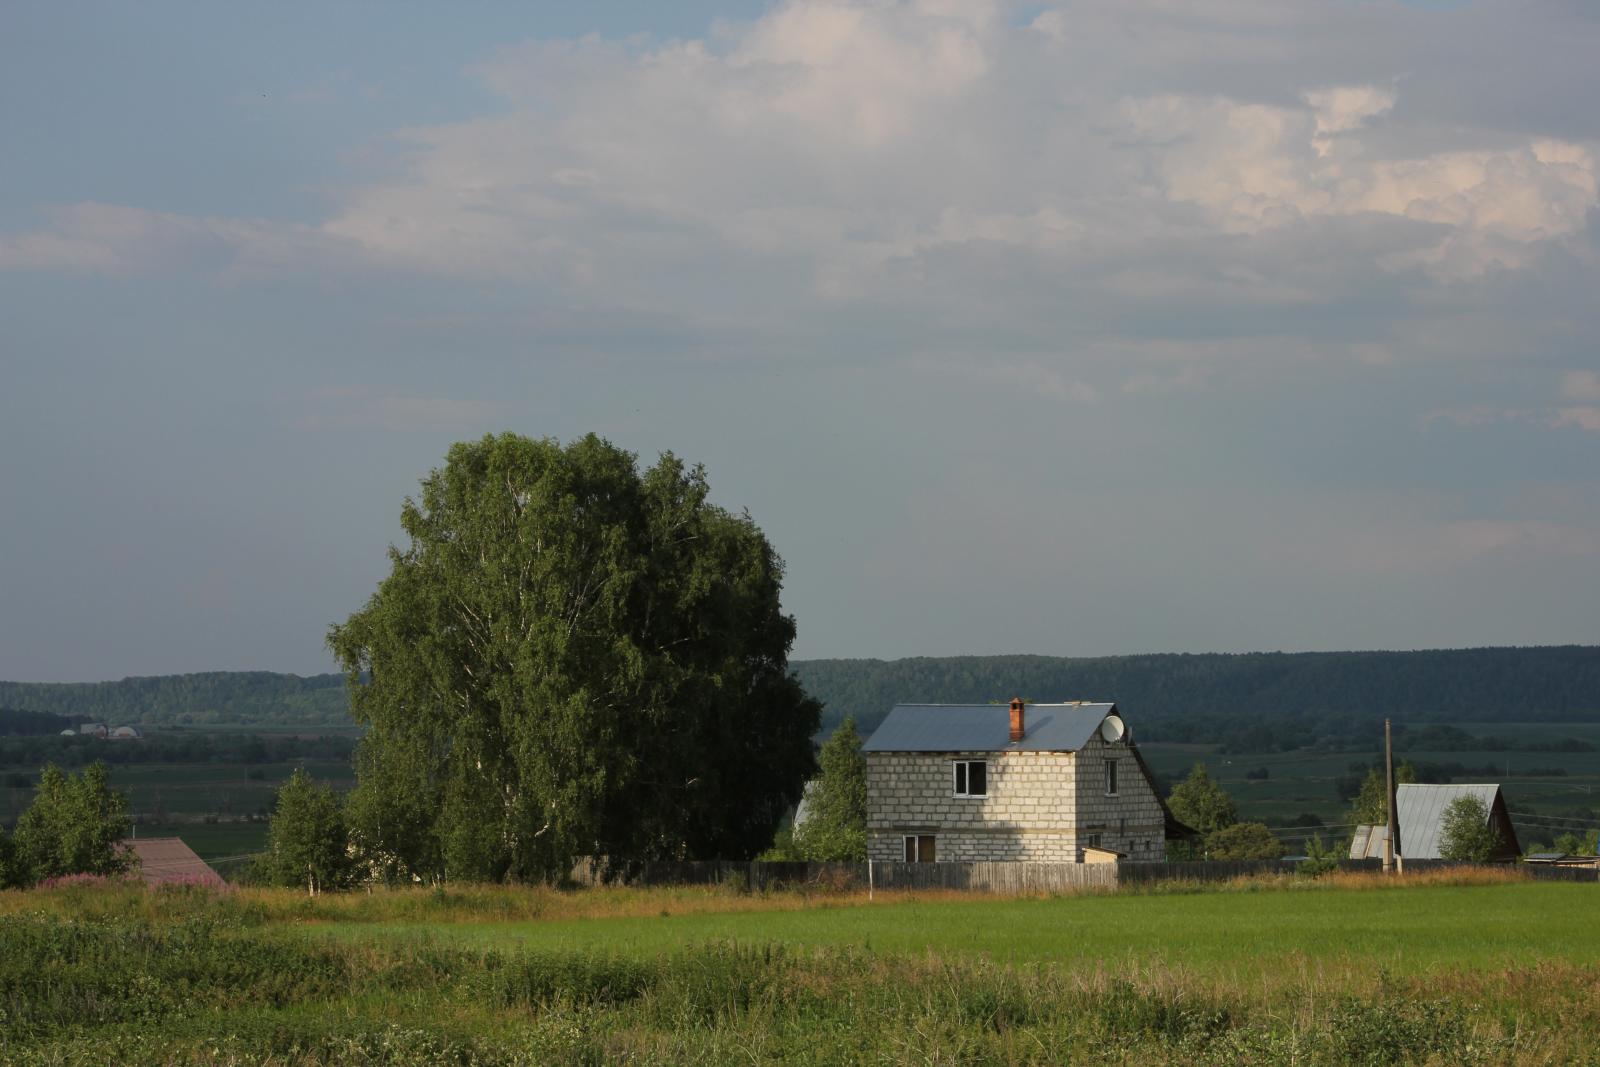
x: 986, y: 728
x: 1421, y: 810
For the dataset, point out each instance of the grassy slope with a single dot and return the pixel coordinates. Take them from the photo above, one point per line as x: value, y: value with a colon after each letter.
x: 1405, y: 930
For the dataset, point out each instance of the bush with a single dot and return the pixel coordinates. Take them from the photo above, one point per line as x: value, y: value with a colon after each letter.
x: 1320, y: 859
x: 1243, y: 841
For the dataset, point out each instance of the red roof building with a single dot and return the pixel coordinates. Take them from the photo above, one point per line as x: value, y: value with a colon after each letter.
x: 161, y: 860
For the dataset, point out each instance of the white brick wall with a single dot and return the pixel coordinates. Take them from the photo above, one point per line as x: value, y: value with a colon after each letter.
x: 1041, y: 806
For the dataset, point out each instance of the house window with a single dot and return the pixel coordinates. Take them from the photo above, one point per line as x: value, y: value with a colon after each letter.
x: 918, y: 848
x: 1092, y: 841
x: 1111, y: 777
x: 971, y: 778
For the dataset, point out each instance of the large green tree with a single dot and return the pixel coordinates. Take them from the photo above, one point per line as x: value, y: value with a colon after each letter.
x: 571, y: 657
x: 835, y: 828
x: 307, y: 843
x: 75, y: 825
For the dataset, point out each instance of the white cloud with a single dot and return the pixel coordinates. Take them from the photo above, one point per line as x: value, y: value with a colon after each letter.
x: 1255, y: 167
x: 1346, y: 107
x: 938, y: 161
x: 1580, y: 385
x: 1586, y: 417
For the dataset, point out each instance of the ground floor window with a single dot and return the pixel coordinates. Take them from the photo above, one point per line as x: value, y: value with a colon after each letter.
x: 918, y: 848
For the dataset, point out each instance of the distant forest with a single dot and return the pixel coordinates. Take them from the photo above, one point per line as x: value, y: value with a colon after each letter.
x: 253, y: 697
x: 1249, y: 702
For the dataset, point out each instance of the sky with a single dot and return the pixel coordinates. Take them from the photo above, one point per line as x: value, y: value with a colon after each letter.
x: 1078, y: 329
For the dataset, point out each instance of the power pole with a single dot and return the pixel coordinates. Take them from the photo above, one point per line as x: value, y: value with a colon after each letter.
x: 1392, y: 851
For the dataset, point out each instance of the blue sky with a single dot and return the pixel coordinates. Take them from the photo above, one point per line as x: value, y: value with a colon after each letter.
x: 1074, y: 329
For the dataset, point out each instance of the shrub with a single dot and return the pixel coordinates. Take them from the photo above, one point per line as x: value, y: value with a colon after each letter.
x: 1243, y: 841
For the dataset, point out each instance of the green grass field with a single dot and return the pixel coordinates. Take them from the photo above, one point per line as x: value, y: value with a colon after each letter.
x: 1409, y: 931
x: 1344, y: 970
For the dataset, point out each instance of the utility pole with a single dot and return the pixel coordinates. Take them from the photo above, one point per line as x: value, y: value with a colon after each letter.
x: 1392, y: 852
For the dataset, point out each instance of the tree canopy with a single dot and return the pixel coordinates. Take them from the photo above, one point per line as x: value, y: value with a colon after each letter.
x: 75, y: 825
x: 1200, y: 803
x: 307, y: 841
x: 835, y: 828
x: 1243, y: 841
x: 1371, y: 805
x: 571, y: 657
x: 1465, y: 832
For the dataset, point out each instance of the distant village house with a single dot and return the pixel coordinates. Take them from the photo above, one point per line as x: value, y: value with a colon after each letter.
x: 1420, y: 811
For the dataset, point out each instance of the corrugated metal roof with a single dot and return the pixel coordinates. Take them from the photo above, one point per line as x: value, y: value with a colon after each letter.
x: 986, y: 728
x: 1421, y: 810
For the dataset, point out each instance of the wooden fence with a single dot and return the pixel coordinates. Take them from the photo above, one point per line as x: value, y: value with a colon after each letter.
x: 988, y: 877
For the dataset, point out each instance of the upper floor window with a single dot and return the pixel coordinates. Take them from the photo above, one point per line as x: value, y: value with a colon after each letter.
x: 971, y: 777
x: 1111, y: 777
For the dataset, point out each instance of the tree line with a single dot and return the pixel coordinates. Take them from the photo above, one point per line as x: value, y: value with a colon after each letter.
x: 174, y: 748
x: 243, y: 697
x: 1242, y: 700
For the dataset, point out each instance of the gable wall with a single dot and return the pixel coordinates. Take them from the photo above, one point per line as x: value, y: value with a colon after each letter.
x: 1131, y: 822
x: 1038, y: 807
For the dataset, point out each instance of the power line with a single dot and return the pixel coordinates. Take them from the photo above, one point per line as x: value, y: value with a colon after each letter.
x: 1554, y: 820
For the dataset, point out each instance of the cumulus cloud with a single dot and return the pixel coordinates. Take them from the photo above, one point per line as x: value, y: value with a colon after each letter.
x: 1089, y: 172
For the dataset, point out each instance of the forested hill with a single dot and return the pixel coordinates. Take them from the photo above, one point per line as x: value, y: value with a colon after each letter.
x: 1195, y: 697
x: 216, y: 696
x: 1273, y: 698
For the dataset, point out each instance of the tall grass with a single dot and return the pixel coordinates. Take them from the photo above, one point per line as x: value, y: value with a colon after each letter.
x: 214, y: 991
x: 128, y: 975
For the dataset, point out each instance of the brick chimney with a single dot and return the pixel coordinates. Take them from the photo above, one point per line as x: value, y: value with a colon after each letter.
x: 1016, y: 720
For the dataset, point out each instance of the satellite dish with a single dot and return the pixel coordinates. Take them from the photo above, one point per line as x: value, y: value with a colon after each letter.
x: 1112, y: 728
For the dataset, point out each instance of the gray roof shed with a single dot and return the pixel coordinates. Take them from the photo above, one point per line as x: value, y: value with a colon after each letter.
x: 1421, y: 811
x: 986, y: 728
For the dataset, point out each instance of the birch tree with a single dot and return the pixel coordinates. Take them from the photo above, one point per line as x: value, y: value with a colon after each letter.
x: 570, y: 657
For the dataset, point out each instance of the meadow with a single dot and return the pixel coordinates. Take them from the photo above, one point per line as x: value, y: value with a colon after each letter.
x: 1464, y: 967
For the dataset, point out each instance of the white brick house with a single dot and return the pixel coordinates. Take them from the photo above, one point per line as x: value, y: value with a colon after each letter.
x: 1032, y: 782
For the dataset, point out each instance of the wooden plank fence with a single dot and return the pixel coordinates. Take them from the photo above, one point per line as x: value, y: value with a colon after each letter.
x: 987, y: 877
